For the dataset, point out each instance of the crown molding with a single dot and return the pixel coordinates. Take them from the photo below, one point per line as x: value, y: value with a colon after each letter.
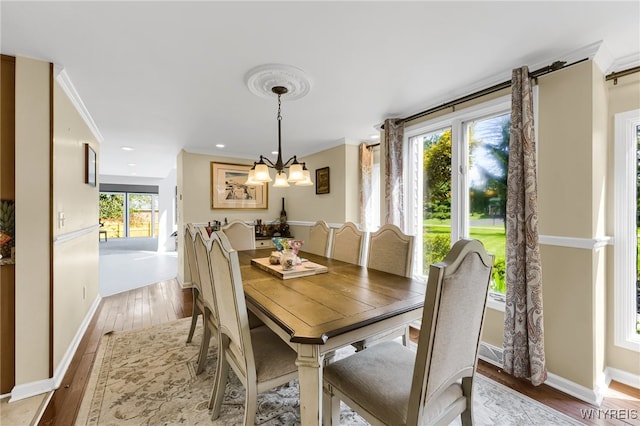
x: 625, y: 63
x: 65, y: 82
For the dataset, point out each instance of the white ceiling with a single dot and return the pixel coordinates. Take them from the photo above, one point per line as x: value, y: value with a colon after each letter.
x: 165, y: 76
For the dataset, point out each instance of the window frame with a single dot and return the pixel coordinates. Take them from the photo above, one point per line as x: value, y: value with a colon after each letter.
x: 458, y: 122
x: 625, y: 228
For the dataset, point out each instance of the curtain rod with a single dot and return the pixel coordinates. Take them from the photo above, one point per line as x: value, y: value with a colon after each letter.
x: 615, y: 75
x: 557, y: 65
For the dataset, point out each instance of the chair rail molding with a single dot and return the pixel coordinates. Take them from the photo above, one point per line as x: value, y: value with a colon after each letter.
x: 573, y: 242
x: 63, y: 238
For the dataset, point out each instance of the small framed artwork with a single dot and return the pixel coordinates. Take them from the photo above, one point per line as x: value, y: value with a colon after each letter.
x: 89, y: 165
x: 322, y: 180
x: 229, y: 190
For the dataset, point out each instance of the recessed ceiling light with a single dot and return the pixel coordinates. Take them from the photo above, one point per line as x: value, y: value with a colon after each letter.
x: 126, y: 148
x: 131, y: 164
x: 274, y: 152
x: 375, y: 136
x: 219, y: 145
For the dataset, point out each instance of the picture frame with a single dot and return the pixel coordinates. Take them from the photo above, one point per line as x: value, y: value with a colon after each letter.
x: 89, y: 165
x: 323, y: 181
x: 229, y: 191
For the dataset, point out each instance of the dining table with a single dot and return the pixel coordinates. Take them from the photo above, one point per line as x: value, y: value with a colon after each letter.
x: 319, y: 310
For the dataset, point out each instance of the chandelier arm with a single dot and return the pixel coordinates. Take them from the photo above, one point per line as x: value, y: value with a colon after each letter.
x: 268, y: 162
x: 290, y: 161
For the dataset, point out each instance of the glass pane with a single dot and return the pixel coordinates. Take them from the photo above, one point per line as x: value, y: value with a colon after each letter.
x: 141, y: 215
x: 112, y: 214
x: 488, y: 141
x: 436, y: 196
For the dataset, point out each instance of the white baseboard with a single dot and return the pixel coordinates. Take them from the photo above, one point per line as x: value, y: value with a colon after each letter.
x: 27, y: 390
x: 493, y: 355
x: 623, y: 377
x: 592, y: 396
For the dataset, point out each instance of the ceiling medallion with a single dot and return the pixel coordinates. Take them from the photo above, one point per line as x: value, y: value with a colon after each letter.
x: 262, y: 79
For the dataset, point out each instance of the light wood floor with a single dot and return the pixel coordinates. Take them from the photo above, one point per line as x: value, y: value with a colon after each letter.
x: 167, y: 301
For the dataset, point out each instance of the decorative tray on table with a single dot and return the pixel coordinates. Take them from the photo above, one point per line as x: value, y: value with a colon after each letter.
x: 302, y: 270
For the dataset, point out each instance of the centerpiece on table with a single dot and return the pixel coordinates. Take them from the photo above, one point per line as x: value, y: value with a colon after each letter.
x: 286, y: 254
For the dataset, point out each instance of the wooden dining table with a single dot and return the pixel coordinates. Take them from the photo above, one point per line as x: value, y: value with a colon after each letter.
x: 318, y: 314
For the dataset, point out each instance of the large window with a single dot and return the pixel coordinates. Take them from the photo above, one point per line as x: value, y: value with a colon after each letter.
x: 626, y: 237
x: 457, y: 184
x: 125, y: 214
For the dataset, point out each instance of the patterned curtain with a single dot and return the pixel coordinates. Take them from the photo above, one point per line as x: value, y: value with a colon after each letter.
x: 394, y: 186
x: 366, y: 165
x: 523, y: 325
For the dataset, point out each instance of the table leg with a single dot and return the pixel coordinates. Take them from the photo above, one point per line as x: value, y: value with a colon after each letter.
x: 309, y: 364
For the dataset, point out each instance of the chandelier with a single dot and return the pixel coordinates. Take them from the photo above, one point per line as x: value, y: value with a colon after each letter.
x: 298, y: 173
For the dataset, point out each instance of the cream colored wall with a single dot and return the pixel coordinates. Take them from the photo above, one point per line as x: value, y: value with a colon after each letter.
x: 572, y: 110
x: 342, y: 202
x: 76, y: 268
x: 493, y: 327
x: 32, y: 220
x: 623, y: 96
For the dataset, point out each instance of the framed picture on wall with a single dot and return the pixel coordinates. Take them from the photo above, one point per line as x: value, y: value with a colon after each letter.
x: 229, y: 190
x: 322, y: 181
x: 89, y: 165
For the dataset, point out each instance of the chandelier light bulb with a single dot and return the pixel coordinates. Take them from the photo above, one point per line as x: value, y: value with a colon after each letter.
x: 306, y: 180
x: 281, y: 180
x: 262, y: 173
x: 295, y: 173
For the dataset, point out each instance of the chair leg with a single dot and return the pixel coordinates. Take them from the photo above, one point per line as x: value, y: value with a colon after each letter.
x: 204, y: 347
x: 250, y: 404
x: 466, y: 416
x: 406, y: 337
x: 222, y: 375
x: 327, y: 415
x: 335, y: 409
x: 194, y: 316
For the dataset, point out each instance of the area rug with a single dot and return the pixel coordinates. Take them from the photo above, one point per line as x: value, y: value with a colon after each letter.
x: 147, y: 377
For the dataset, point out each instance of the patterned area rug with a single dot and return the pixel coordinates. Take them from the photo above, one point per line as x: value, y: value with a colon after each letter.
x: 147, y: 377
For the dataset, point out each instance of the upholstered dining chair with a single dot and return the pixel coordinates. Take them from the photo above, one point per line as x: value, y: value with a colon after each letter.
x: 391, y: 250
x: 318, y: 242
x: 190, y: 255
x: 347, y: 244
x: 391, y: 384
x: 260, y: 359
x: 240, y: 235
x: 210, y: 316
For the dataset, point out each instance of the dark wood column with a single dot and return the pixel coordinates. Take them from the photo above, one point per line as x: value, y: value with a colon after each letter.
x: 7, y: 193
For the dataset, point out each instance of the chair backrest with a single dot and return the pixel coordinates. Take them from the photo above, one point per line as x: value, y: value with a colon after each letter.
x: 202, y: 245
x: 347, y: 244
x: 231, y: 306
x: 391, y: 250
x: 318, y: 242
x: 452, y: 321
x: 189, y: 241
x: 240, y: 235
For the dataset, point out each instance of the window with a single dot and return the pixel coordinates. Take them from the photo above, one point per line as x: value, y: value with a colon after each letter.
x: 626, y: 237
x: 457, y: 184
x: 125, y: 214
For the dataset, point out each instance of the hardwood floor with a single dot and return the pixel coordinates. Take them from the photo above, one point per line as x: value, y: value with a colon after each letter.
x: 154, y: 304
x: 167, y: 301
